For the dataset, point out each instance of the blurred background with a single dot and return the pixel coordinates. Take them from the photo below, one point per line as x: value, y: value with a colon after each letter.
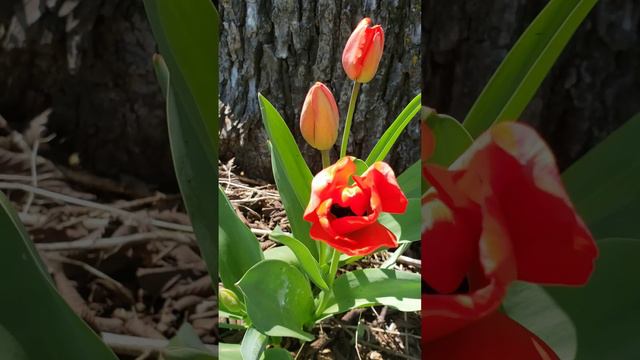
x: 593, y: 88
x: 88, y: 62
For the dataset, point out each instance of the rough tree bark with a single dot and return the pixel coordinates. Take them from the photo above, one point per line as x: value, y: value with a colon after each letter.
x: 281, y: 47
x: 592, y: 89
x: 89, y: 60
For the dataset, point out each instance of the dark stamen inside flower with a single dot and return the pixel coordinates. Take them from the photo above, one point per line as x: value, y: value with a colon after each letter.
x: 463, y: 288
x: 340, y: 212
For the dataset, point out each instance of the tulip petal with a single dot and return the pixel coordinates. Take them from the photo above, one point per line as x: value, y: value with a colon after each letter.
x: 494, y: 337
x: 382, y: 178
x: 550, y: 242
x: 372, y: 53
x: 354, y: 50
x: 444, y: 314
x: 361, y: 242
x: 327, y: 181
x: 449, y: 245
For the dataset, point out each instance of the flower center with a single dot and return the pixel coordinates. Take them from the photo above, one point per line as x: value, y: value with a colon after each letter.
x: 463, y: 288
x: 340, y: 212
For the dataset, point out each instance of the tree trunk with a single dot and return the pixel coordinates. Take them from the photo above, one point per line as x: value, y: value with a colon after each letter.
x: 90, y: 61
x: 281, y: 47
x: 592, y: 89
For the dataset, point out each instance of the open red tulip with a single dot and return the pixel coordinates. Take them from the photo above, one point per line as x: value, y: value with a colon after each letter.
x: 345, y: 215
x: 500, y: 213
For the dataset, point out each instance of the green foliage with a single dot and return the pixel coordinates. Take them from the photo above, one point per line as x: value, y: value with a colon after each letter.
x: 279, y: 299
x: 603, y: 184
x: 290, y: 171
x: 187, y: 35
x: 605, y: 311
x: 520, y: 74
x: 369, y: 287
x: 193, y: 171
x: 452, y: 139
x: 35, y: 322
x: 239, y: 248
x: 253, y: 344
x: 532, y: 307
x: 186, y: 345
x: 388, y: 139
x: 302, y: 253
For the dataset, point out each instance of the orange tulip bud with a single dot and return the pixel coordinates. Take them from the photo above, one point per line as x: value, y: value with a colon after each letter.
x: 361, y: 55
x: 319, y: 117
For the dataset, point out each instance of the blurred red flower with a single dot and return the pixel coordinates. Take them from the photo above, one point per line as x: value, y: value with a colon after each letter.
x: 345, y: 215
x: 500, y: 213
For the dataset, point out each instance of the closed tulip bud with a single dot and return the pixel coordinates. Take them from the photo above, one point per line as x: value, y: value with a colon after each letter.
x: 229, y: 301
x: 319, y: 117
x: 361, y: 55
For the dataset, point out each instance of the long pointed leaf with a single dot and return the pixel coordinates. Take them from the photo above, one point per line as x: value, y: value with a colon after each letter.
x: 603, y: 184
x: 195, y: 175
x: 519, y: 76
x: 32, y: 312
x: 388, y: 139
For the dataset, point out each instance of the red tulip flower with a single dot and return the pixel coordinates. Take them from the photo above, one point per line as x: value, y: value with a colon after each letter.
x: 428, y: 141
x: 345, y: 215
x: 500, y: 213
x: 363, y: 51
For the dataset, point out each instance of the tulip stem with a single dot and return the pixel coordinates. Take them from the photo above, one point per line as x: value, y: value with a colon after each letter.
x: 333, y: 270
x: 326, y: 160
x: 347, y: 124
x: 333, y: 267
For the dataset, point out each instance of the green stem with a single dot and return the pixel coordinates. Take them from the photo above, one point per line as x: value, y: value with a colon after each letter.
x: 326, y: 160
x: 333, y: 270
x: 347, y: 124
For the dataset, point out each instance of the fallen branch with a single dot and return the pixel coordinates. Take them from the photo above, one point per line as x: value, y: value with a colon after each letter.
x: 135, y: 346
x: 113, y: 242
x: 90, y: 204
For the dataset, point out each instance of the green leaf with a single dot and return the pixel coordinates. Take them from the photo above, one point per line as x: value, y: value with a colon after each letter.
x: 532, y: 307
x: 295, y: 169
x: 603, y: 184
x: 307, y: 262
x: 369, y: 287
x: 361, y: 166
x: 410, y: 180
x: 277, y: 354
x: 452, y: 139
x: 239, y: 248
x: 193, y: 170
x: 253, y: 344
x: 230, y: 352
x: 282, y: 253
x: 293, y: 207
x: 605, y: 311
x: 186, y: 345
x: 187, y: 35
x: 519, y: 76
x: 279, y: 299
x: 290, y: 171
x: 11, y: 349
x: 388, y: 139
x: 33, y: 316
x: 404, y: 226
